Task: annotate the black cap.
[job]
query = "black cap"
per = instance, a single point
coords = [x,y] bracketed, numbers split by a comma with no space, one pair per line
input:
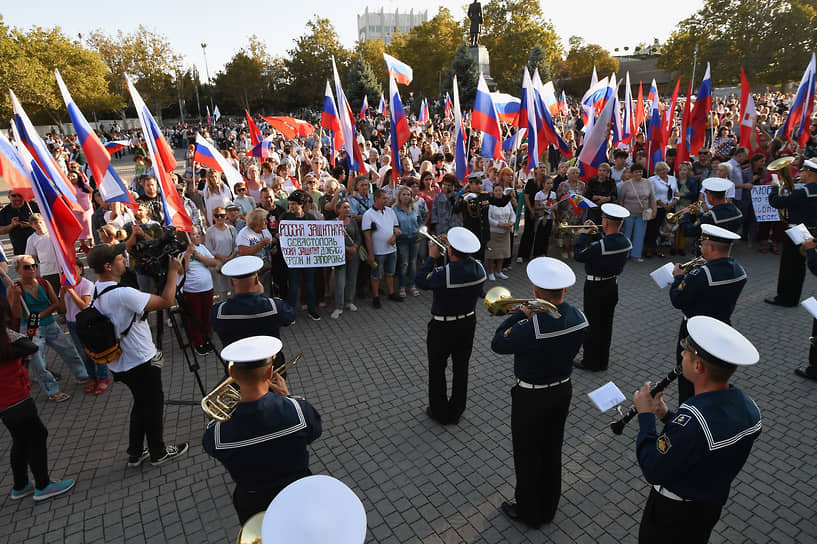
[101,254]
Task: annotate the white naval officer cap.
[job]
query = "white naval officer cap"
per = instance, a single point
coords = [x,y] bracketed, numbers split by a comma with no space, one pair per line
[463,240]
[242,267]
[716,185]
[718,343]
[252,352]
[809,165]
[475,177]
[315,510]
[550,273]
[718,234]
[614,211]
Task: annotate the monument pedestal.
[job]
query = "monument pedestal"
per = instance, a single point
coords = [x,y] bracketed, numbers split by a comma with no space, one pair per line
[480,56]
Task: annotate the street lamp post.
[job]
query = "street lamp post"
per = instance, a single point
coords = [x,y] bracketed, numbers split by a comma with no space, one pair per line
[207,71]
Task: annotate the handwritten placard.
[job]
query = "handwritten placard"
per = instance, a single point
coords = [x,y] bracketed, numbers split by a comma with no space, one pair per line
[760,202]
[312,244]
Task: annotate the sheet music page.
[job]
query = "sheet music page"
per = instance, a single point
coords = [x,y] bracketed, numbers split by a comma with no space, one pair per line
[607,396]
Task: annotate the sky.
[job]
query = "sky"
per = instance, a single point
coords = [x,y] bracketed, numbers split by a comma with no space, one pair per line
[188,24]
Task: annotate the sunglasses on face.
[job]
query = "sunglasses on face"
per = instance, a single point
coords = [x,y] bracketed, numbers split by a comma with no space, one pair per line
[15,196]
[32,266]
[220,215]
[240,189]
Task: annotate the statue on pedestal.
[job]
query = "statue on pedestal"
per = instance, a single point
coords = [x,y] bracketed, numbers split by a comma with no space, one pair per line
[475,15]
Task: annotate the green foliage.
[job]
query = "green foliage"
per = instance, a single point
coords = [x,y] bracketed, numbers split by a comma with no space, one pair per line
[465,67]
[511,28]
[372,51]
[250,80]
[771,39]
[27,62]
[362,81]
[309,64]
[581,59]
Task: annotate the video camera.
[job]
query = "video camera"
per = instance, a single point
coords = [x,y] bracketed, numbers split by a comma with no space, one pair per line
[151,256]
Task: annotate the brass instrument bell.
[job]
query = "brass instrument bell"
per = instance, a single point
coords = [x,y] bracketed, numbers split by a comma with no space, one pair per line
[498,301]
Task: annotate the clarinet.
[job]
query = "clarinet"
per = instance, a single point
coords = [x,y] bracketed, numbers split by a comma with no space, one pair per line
[618,425]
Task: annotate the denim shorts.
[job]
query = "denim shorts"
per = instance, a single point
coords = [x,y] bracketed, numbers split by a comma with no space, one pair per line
[385,265]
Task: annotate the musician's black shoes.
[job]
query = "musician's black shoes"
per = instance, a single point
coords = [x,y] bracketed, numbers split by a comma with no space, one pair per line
[805,374]
[510,510]
[774,302]
[580,365]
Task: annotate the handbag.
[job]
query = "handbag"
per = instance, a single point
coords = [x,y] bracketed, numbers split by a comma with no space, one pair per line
[646,214]
[362,253]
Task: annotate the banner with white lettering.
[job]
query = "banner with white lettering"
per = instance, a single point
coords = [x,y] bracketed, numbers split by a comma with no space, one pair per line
[760,202]
[312,244]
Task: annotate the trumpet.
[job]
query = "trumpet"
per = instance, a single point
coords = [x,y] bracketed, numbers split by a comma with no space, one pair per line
[694,209]
[437,240]
[498,301]
[697,262]
[563,226]
[220,403]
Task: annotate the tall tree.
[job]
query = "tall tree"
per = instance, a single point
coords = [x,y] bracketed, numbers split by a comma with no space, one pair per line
[27,62]
[309,64]
[771,39]
[372,51]
[465,68]
[246,79]
[513,27]
[578,65]
[362,81]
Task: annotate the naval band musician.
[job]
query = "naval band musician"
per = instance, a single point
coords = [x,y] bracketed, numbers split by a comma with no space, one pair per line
[604,260]
[722,213]
[263,444]
[810,371]
[703,445]
[457,287]
[712,289]
[543,347]
[802,208]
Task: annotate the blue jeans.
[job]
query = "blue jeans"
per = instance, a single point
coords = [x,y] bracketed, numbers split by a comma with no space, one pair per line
[294,275]
[95,371]
[634,229]
[53,336]
[346,282]
[407,260]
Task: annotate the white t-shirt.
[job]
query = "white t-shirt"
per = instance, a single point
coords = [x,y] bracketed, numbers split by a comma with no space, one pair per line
[198,278]
[541,197]
[248,237]
[41,249]
[121,219]
[120,305]
[84,288]
[385,220]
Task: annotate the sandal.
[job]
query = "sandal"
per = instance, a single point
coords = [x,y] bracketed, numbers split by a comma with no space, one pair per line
[83,381]
[91,387]
[102,386]
[59,397]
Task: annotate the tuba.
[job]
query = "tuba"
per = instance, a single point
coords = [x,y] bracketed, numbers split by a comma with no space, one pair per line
[781,166]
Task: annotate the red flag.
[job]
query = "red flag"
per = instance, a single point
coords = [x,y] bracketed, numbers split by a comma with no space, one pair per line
[639,107]
[683,145]
[748,114]
[289,130]
[255,134]
[670,113]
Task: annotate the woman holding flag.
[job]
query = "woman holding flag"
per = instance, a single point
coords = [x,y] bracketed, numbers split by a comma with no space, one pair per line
[569,211]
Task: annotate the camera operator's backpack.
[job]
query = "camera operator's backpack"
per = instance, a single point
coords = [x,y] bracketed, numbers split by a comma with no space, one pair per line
[97,332]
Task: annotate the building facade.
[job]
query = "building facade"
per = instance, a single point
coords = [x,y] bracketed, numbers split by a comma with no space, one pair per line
[381,24]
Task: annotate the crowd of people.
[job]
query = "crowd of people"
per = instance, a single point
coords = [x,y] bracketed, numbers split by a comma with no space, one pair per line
[481,228]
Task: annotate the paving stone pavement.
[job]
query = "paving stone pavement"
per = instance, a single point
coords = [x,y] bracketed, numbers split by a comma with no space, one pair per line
[421,482]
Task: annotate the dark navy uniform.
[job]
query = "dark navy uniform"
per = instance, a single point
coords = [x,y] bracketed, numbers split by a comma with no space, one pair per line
[725,215]
[457,286]
[811,370]
[712,290]
[263,446]
[543,349]
[802,208]
[250,314]
[475,218]
[693,462]
[603,261]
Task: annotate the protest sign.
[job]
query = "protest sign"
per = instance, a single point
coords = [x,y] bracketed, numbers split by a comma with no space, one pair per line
[760,202]
[312,244]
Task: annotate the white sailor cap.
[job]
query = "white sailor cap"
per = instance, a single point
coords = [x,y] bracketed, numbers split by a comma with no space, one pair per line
[252,352]
[315,510]
[718,234]
[242,267]
[717,185]
[463,240]
[809,165]
[718,343]
[549,273]
[469,196]
[475,177]
[614,210]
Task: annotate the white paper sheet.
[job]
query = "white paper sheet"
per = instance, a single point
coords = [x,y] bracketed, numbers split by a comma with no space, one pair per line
[663,276]
[607,396]
[798,234]
[810,304]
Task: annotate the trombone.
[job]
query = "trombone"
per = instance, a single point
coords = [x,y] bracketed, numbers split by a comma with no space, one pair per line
[694,209]
[220,403]
[498,301]
[437,240]
[564,226]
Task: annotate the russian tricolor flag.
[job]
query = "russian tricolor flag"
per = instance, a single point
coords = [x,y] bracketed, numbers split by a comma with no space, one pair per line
[448,112]
[60,222]
[563,103]
[797,125]
[364,107]
[460,153]
[110,185]
[507,107]
[577,202]
[116,145]
[347,125]
[655,139]
[164,162]
[547,128]
[400,131]
[529,121]
[262,149]
[628,126]
[594,151]
[423,118]
[696,131]
[381,106]
[548,92]
[400,71]
[486,119]
[209,156]
[13,170]
[594,101]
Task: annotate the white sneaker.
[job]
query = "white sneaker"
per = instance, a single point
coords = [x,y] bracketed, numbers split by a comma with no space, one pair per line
[519,260]
[336,313]
[352,307]
[502,276]
[491,277]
